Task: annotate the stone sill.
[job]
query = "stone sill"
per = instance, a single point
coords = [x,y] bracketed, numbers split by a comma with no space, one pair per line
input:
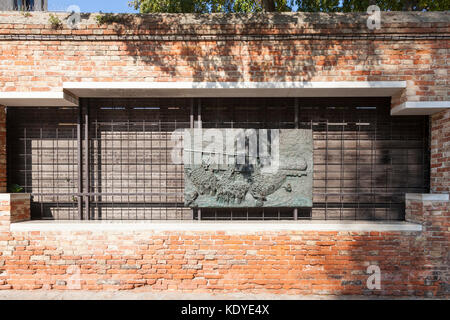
[207,226]
[438,197]
[14,196]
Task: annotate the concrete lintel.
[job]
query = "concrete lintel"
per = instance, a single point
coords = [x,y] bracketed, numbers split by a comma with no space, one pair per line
[38,99]
[229,227]
[420,108]
[427,196]
[235,89]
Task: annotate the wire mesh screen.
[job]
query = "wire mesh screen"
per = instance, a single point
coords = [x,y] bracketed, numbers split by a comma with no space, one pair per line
[42,159]
[365,160]
[132,172]
[112,159]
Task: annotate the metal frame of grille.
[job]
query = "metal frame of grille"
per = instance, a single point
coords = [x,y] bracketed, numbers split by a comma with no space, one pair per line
[110,158]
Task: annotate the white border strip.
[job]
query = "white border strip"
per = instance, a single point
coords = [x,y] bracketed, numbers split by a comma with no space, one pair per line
[237,85]
[420,108]
[427,196]
[229,227]
[38,99]
[235,89]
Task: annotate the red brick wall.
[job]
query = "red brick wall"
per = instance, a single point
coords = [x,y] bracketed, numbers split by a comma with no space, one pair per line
[322,263]
[290,262]
[215,48]
[329,263]
[14,207]
[440,152]
[434,261]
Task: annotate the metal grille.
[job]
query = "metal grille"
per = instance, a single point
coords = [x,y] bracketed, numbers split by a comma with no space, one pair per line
[43,159]
[132,175]
[111,159]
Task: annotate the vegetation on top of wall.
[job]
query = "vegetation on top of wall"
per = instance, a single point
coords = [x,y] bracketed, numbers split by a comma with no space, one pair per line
[55,21]
[248,6]
[109,18]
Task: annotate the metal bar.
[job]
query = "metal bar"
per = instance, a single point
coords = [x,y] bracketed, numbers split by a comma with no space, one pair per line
[136,163]
[55,155]
[341,173]
[151,166]
[85,106]
[199,114]
[25,159]
[128,159]
[358,143]
[121,170]
[79,163]
[199,119]
[191,115]
[191,126]
[326,170]
[159,167]
[112,163]
[99,166]
[296,122]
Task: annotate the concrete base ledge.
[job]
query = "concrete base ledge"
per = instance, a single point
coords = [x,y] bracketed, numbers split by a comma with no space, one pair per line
[228,226]
[145,294]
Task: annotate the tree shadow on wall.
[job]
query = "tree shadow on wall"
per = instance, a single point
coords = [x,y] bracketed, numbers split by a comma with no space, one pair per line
[221,48]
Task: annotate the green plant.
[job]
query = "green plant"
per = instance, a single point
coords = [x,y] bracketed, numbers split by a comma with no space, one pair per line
[26,14]
[15,188]
[108,18]
[55,21]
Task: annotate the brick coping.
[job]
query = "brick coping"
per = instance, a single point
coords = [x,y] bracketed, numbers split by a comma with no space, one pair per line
[212,226]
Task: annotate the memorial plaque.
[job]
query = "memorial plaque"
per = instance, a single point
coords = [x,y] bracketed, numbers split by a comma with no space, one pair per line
[238,168]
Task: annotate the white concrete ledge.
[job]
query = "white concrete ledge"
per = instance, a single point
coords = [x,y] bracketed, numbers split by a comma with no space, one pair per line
[14,196]
[427,196]
[234,89]
[228,226]
[420,108]
[38,99]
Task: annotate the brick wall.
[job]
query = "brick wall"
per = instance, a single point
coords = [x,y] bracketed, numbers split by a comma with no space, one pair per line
[274,47]
[440,152]
[219,48]
[434,242]
[14,207]
[412,263]
[322,263]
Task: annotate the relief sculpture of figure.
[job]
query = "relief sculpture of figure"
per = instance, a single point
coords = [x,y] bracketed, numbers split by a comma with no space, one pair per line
[264,184]
[231,190]
[203,179]
[231,187]
[283,179]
